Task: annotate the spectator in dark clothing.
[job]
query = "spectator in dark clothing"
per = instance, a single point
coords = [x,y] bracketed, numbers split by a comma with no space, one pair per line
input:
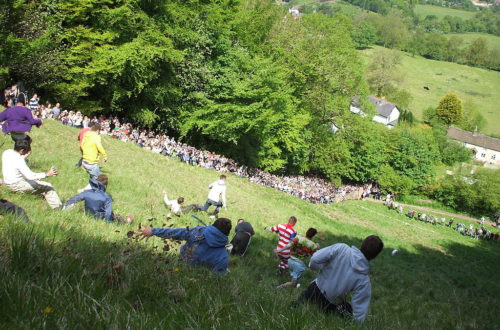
[7,207]
[242,236]
[17,121]
[97,201]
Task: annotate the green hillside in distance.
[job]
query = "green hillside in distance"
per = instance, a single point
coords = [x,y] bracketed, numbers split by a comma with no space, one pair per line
[477,85]
[68,270]
[493,41]
[440,12]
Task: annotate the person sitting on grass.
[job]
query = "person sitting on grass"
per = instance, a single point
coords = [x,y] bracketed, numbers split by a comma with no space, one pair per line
[242,237]
[98,202]
[342,270]
[19,178]
[205,245]
[176,207]
[301,249]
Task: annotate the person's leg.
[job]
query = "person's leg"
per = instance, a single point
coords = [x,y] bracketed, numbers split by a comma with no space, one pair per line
[7,207]
[296,269]
[218,207]
[17,136]
[284,259]
[313,294]
[206,206]
[92,169]
[48,192]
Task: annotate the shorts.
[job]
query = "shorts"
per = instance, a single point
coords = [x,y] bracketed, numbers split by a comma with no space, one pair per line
[296,268]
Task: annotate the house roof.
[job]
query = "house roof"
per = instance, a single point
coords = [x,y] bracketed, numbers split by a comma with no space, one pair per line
[476,139]
[384,108]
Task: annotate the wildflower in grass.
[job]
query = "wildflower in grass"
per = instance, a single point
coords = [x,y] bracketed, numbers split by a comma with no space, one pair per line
[48,310]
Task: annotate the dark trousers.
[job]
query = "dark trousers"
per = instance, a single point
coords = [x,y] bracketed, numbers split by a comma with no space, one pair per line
[17,136]
[313,294]
[7,207]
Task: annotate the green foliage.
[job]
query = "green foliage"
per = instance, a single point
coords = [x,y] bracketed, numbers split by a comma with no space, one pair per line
[383,72]
[390,181]
[473,119]
[476,193]
[449,109]
[363,34]
[413,154]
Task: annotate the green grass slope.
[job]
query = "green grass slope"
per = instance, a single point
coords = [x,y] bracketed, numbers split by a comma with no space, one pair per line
[478,85]
[440,12]
[493,41]
[67,270]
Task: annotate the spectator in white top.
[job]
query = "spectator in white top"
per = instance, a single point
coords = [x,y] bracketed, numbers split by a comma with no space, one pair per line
[19,178]
[216,195]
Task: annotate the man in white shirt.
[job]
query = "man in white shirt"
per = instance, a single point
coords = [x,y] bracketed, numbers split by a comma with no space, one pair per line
[18,177]
[216,195]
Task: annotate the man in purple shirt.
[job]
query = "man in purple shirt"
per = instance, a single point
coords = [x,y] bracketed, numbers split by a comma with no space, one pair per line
[17,121]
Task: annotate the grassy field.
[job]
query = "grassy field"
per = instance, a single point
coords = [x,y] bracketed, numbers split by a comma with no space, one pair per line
[477,85]
[67,270]
[440,12]
[492,40]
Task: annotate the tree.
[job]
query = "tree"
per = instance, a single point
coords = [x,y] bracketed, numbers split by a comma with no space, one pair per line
[383,72]
[478,52]
[473,120]
[363,34]
[449,109]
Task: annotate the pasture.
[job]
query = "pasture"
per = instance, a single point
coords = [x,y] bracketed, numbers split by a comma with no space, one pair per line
[440,12]
[478,85]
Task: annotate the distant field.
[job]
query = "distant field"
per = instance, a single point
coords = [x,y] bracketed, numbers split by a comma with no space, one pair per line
[493,41]
[478,85]
[440,12]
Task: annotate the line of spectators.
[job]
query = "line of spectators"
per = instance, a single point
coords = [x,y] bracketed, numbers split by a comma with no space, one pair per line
[311,188]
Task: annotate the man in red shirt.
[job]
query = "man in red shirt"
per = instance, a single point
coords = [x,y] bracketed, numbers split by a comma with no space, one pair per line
[286,233]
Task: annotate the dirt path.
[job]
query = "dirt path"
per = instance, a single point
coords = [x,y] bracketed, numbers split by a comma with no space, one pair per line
[428,209]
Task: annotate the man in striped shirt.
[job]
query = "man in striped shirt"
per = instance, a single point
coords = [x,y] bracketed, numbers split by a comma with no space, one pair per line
[286,233]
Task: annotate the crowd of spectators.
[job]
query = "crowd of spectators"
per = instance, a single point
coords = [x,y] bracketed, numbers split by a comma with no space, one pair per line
[311,188]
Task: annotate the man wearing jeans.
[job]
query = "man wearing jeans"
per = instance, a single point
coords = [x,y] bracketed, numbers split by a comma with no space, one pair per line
[301,249]
[216,195]
[19,178]
[91,149]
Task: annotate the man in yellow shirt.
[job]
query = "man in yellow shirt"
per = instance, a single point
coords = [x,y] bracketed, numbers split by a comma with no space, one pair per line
[91,149]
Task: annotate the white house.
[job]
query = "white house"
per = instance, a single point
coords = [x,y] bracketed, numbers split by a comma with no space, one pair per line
[387,112]
[485,149]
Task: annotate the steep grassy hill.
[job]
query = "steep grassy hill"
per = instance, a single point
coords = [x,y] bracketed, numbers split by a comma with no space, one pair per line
[475,84]
[440,12]
[67,270]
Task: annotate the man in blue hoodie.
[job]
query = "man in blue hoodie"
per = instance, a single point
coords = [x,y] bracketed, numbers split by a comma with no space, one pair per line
[205,245]
[343,269]
[97,201]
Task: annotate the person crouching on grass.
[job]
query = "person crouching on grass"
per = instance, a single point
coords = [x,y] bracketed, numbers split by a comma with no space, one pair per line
[342,270]
[176,206]
[205,245]
[301,249]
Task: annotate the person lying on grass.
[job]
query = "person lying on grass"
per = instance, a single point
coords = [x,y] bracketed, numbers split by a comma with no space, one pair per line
[205,245]
[176,207]
[301,248]
[342,270]
[97,201]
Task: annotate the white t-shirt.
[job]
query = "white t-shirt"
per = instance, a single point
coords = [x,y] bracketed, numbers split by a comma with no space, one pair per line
[14,168]
[217,189]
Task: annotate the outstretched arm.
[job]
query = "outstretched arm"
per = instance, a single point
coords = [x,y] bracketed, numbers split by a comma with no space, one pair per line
[74,199]
[181,234]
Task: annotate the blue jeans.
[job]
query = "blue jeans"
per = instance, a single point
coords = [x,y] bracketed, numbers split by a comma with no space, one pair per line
[296,268]
[92,169]
[209,203]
